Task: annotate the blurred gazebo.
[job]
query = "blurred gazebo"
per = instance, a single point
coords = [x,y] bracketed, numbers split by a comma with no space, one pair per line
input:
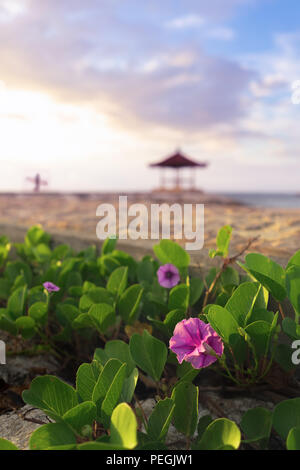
[178,162]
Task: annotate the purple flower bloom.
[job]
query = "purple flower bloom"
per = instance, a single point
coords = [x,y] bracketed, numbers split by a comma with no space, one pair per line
[50,287]
[168,275]
[196,342]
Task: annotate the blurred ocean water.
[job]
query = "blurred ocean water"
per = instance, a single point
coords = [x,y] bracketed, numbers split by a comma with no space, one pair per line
[288,201]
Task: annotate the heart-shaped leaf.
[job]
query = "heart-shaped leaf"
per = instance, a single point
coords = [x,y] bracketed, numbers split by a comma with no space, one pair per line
[51,395]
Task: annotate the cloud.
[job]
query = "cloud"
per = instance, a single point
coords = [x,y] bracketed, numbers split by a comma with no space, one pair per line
[187,21]
[124,63]
[221,33]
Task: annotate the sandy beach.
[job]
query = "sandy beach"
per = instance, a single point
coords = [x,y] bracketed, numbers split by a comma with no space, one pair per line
[278,229]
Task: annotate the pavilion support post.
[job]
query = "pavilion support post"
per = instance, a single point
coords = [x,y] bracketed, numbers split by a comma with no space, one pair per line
[162,179]
[177,179]
[192,179]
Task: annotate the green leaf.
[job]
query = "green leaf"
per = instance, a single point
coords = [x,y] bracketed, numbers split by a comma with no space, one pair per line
[104,381]
[16,302]
[172,318]
[230,277]
[117,281]
[6,323]
[260,314]
[103,316]
[286,416]
[291,328]
[226,326]
[84,320]
[95,295]
[256,424]
[7,445]
[117,349]
[294,260]
[168,251]
[149,353]
[107,264]
[26,326]
[5,286]
[100,317]
[185,417]
[51,435]
[36,235]
[283,357]
[270,274]
[223,240]
[66,314]
[108,388]
[179,297]
[39,312]
[81,415]
[123,427]
[129,386]
[202,425]
[86,379]
[293,287]
[293,439]
[196,289]
[16,268]
[145,271]
[42,253]
[112,396]
[108,245]
[129,302]
[241,302]
[51,395]
[221,434]
[160,419]
[260,334]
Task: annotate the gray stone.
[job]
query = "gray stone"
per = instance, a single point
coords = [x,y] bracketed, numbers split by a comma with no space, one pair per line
[16,426]
[17,369]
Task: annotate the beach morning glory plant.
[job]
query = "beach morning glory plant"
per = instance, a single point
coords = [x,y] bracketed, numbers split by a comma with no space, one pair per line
[168,276]
[196,342]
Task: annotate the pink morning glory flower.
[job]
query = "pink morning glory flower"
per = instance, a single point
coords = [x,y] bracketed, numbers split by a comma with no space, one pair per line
[168,276]
[196,342]
[50,287]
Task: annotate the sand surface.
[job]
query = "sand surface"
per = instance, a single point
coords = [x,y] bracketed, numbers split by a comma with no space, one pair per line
[278,229]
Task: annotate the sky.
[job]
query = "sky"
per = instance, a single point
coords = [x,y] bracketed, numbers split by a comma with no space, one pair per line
[93,91]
